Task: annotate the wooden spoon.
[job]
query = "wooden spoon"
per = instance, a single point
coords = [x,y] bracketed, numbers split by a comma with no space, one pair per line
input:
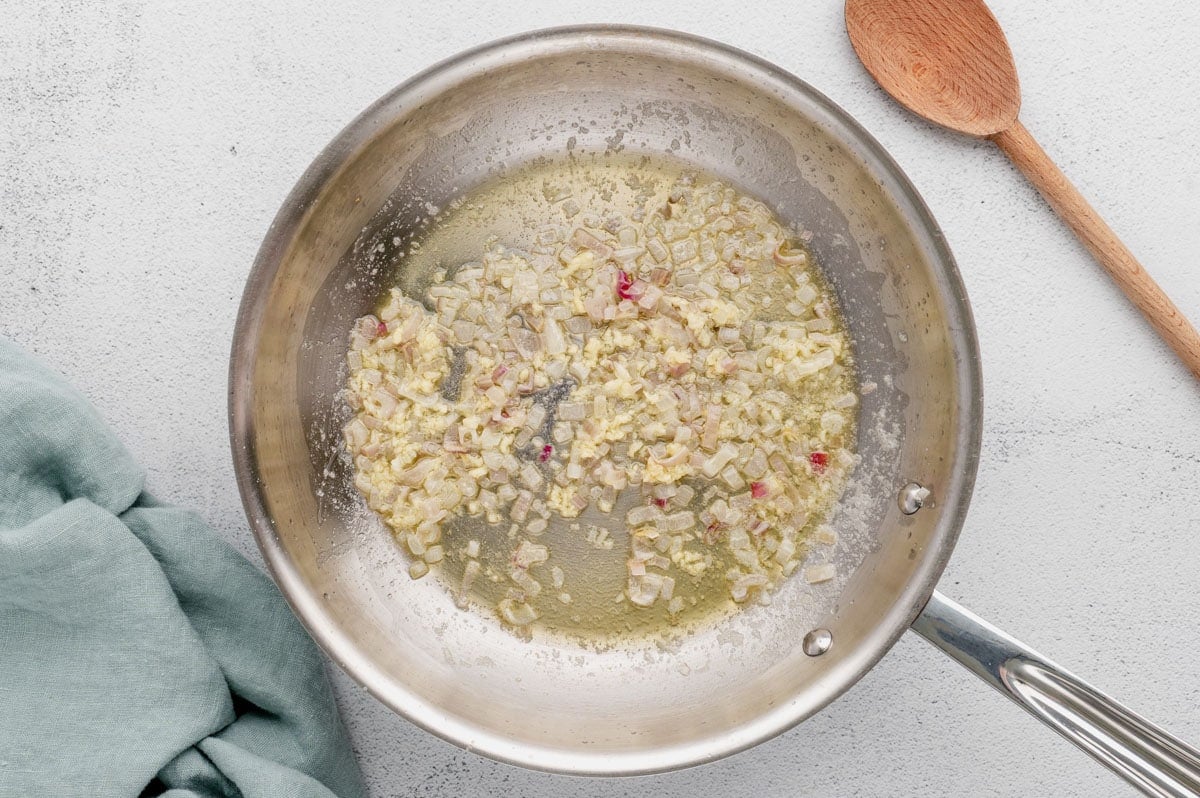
[948,61]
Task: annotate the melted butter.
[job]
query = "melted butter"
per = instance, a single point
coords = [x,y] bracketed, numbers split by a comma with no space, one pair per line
[512,210]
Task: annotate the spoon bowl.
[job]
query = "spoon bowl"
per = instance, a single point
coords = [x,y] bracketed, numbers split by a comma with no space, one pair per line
[949,64]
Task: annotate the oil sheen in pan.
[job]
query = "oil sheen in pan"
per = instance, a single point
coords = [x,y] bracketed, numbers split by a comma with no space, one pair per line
[510,209]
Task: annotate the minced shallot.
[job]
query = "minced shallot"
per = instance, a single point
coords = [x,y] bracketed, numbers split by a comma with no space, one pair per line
[692,361]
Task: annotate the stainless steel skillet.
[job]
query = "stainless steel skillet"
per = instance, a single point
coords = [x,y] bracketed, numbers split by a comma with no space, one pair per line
[636,707]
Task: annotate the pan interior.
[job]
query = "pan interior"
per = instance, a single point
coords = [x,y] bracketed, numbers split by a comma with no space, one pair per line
[543,100]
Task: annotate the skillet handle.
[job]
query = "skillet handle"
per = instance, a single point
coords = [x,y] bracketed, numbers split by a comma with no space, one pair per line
[1147,757]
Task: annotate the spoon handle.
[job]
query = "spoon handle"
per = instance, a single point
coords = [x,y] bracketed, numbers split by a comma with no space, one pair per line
[1102,242]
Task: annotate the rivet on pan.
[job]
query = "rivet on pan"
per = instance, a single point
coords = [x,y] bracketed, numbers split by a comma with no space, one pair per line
[817,642]
[912,498]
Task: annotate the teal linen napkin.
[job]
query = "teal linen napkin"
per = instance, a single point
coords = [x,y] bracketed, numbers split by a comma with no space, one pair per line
[139,654]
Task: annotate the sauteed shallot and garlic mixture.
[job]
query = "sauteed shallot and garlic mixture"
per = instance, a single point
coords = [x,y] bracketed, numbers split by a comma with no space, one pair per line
[681,372]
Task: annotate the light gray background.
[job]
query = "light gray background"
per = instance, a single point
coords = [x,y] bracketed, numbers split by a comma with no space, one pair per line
[146,146]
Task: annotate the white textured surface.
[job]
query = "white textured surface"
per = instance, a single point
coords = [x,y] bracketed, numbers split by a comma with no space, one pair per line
[146,146]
